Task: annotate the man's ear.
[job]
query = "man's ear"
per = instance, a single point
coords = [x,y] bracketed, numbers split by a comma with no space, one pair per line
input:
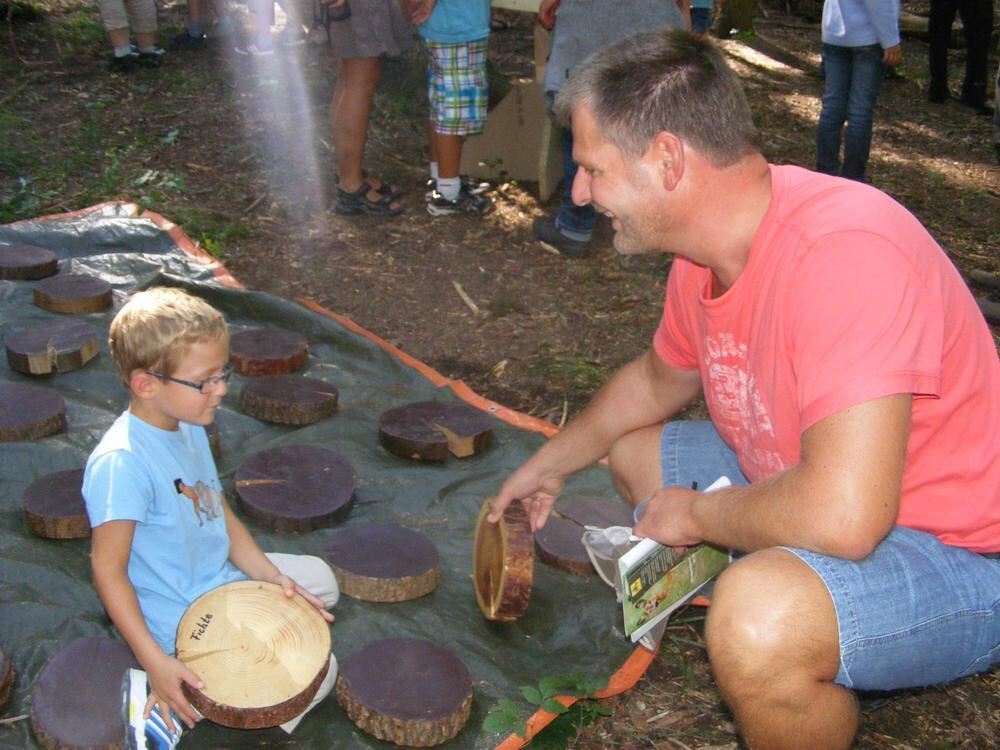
[668,152]
[142,384]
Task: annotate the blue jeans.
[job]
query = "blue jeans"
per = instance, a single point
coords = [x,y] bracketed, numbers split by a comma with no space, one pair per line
[701,18]
[576,222]
[854,78]
[914,612]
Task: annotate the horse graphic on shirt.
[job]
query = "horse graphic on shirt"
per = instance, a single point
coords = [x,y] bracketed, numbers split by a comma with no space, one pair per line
[192,495]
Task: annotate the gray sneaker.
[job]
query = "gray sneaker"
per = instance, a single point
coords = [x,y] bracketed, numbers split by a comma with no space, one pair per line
[546,232]
[465,203]
[469,184]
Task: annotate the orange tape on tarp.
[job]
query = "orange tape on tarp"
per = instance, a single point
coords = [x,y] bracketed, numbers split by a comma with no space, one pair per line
[638,662]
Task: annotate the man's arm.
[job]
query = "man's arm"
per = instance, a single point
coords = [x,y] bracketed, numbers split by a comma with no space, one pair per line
[841,499]
[246,554]
[111,547]
[644,392]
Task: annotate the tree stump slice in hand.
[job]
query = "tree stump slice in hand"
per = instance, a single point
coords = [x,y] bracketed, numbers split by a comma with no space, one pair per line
[7,677]
[295,488]
[26,262]
[405,690]
[29,412]
[262,655]
[267,351]
[56,346]
[383,562]
[433,430]
[503,563]
[76,702]
[559,542]
[54,507]
[288,399]
[73,293]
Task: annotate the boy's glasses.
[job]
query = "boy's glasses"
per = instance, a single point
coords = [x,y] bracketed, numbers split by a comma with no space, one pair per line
[206,384]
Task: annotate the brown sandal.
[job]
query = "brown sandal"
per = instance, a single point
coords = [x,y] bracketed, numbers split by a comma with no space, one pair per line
[357,202]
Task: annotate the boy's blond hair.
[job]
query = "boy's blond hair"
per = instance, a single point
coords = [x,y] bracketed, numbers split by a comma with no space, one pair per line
[156,328]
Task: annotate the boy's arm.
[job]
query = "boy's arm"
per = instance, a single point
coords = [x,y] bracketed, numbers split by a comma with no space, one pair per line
[111,547]
[246,554]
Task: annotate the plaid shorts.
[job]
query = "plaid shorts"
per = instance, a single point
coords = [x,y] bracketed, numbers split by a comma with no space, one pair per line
[457,86]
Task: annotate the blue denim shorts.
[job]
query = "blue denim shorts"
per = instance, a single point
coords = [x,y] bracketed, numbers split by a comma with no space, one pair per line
[915,612]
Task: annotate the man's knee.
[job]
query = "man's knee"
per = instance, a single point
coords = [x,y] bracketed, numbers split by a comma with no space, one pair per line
[634,460]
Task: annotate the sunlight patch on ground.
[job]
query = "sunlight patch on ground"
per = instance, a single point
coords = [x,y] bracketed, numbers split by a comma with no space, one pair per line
[757,59]
[968,174]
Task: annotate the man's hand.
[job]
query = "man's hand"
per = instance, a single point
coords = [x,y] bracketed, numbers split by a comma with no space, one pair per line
[418,11]
[547,14]
[892,56]
[668,517]
[165,678]
[291,588]
[537,493]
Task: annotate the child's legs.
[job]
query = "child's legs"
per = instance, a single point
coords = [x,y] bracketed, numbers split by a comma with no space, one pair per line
[115,20]
[867,74]
[837,65]
[311,573]
[325,688]
[357,79]
[142,18]
[457,90]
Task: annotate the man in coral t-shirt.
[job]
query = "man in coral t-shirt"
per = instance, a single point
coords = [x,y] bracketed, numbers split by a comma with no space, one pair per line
[854,393]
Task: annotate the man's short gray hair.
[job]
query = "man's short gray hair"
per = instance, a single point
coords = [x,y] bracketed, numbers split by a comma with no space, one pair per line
[658,81]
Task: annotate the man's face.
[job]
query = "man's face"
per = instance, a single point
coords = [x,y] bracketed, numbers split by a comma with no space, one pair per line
[621,190]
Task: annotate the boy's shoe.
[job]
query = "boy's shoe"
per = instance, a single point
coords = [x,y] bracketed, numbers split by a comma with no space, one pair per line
[124,63]
[151,58]
[469,184]
[185,42]
[465,203]
[546,232]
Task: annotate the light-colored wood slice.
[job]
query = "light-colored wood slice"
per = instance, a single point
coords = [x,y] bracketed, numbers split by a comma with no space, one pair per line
[383,562]
[503,563]
[267,351]
[433,430]
[262,655]
[288,399]
[295,488]
[559,543]
[408,691]
[26,262]
[73,293]
[7,677]
[76,701]
[29,412]
[54,346]
[54,507]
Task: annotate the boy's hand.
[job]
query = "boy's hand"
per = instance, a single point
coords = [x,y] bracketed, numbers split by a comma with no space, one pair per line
[291,588]
[165,678]
[418,11]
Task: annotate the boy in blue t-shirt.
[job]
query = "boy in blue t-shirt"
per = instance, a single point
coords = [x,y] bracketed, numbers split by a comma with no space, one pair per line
[163,533]
[456,34]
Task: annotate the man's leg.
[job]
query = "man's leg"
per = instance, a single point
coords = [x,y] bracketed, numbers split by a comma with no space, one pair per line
[773,642]
[977,25]
[942,16]
[837,65]
[867,74]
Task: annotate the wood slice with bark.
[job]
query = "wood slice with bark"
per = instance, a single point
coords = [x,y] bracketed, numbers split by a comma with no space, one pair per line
[261,655]
[73,293]
[295,488]
[267,351]
[407,691]
[26,262]
[29,412]
[559,542]
[76,701]
[54,346]
[288,399]
[383,562]
[433,430]
[7,677]
[54,507]
[503,563]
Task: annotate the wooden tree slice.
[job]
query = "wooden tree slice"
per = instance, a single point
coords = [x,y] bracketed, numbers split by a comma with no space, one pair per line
[503,563]
[55,346]
[261,654]
[295,488]
[73,293]
[431,430]
[559,543]
[7,677]
[54,507]
[28,412]
[405,690]
[76,702]
[267,351]
[25,262]
[288,399]
[406,564]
